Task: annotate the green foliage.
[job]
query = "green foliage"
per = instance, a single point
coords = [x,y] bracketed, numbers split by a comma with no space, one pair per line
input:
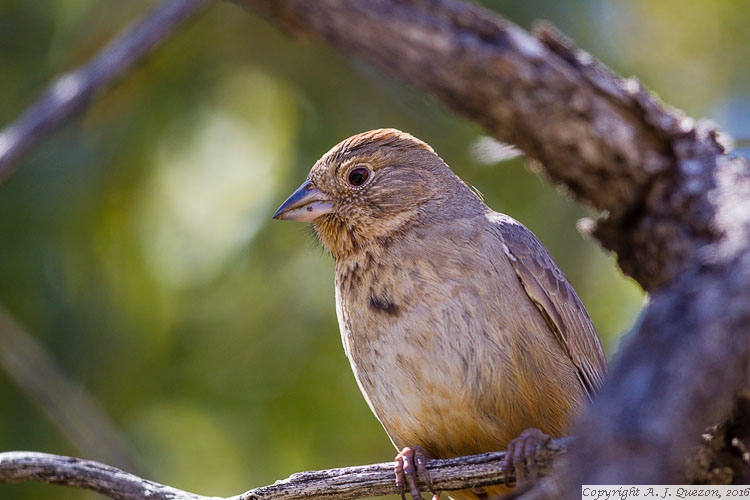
[137,243]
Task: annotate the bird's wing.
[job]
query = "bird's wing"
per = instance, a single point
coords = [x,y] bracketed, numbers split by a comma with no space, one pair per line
[558,302]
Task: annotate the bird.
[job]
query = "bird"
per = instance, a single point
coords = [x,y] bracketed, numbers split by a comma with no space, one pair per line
[463,334]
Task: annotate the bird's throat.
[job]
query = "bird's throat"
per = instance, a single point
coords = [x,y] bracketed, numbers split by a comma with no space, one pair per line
[345,239]
[339,237]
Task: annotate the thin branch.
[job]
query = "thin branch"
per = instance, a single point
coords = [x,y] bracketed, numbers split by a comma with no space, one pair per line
[334,484]
[20,466]
[72,91]
[27,363]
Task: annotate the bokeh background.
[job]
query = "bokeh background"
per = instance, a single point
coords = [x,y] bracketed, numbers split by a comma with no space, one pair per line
[137,248]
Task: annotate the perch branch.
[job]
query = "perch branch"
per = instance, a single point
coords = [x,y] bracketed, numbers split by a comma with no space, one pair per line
[72,91]
[334,484]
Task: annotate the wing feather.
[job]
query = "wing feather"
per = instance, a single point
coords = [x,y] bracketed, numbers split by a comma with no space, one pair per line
[557,301]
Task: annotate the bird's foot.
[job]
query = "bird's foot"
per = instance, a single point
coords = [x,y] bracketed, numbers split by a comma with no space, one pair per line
[411,465]
[520,455]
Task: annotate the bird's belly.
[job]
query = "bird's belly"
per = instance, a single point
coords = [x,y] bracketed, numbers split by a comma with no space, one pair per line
[411,404]
[431,390]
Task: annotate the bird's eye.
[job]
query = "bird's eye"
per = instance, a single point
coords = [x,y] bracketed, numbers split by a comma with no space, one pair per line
[358,175]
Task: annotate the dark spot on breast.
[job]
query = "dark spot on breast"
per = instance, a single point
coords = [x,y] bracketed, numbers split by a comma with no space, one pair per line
[385,241]
[384,304]
[369,260]
[351,278]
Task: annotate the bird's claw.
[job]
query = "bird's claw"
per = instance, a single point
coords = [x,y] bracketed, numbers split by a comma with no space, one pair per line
[520,455]
[411,465]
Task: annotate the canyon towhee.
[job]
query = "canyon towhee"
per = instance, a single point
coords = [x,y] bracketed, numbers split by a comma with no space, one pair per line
[460,328]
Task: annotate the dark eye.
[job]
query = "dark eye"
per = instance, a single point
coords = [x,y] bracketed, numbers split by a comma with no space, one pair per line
[358,175]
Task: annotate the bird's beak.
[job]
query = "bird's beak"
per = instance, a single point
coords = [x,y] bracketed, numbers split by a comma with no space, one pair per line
[306,204]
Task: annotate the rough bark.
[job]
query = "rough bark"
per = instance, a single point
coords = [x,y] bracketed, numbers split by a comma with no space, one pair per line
[18,466]
[333,484]
[607,140]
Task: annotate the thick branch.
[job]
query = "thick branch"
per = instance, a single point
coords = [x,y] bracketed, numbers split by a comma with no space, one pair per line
[71,92]
[335,484]
[606,139]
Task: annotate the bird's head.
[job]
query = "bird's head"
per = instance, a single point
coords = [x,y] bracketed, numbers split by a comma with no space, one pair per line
[374,185]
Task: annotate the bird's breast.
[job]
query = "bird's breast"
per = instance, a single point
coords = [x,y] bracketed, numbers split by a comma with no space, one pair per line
[446,347]
[424,335]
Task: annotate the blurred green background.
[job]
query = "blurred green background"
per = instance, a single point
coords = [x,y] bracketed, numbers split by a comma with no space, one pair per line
[136,245]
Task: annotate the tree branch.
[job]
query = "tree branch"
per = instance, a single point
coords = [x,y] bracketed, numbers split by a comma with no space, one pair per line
[72,91]
[19,466]
[606,139]
[334,484]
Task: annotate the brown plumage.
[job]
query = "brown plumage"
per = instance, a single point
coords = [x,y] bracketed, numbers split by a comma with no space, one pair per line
[460,328]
